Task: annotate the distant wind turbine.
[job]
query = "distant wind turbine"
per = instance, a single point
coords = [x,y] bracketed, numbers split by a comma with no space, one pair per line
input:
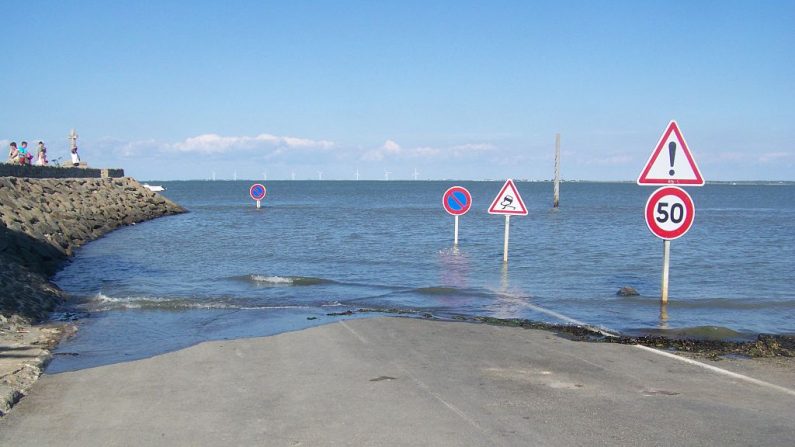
[320,175]
[386,175]
[357,174]
[292,175]
[416,174]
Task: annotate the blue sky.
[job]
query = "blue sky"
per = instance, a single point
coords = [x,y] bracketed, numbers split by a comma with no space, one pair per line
[466,90]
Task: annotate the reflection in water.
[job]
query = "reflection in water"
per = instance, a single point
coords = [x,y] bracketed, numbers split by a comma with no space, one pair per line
[504,280]
[454,272]
[510,302]
[663,315]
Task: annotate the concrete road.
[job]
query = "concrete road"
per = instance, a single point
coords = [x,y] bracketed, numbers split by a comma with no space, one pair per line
[396,381]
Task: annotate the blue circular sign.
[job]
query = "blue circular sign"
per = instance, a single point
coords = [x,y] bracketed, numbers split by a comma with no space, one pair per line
[257,191]
[457,200]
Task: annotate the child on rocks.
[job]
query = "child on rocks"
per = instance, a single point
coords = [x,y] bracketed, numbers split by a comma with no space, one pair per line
[24,156]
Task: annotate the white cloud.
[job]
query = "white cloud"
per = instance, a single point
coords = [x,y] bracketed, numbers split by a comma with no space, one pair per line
[391,149]
[265,145]
[133,148]
[217,144]
[774,156]
[609,159]
[731,156]
[469,149]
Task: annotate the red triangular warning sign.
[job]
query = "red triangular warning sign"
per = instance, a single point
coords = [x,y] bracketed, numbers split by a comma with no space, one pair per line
[508,201]
[671,162]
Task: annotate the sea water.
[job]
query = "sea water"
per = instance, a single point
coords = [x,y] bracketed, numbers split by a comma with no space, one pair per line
[227,269]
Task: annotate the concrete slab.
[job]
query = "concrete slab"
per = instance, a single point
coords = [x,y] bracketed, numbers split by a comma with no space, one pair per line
[395,381]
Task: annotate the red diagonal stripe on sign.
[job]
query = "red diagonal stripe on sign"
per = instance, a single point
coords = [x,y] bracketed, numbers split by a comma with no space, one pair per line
[452,196]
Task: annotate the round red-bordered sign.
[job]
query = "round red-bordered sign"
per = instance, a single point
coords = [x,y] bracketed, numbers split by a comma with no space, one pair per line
[669,212]
[257,191]
[457,200]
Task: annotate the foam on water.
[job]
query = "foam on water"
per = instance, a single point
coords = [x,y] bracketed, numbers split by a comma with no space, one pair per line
[103,303]
[274,280]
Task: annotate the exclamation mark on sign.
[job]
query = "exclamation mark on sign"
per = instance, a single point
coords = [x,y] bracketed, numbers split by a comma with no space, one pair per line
[671,156]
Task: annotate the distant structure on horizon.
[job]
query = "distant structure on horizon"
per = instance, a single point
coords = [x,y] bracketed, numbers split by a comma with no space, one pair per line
[72,140]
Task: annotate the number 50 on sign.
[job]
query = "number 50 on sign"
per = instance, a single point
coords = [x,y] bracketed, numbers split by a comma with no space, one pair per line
[669,212]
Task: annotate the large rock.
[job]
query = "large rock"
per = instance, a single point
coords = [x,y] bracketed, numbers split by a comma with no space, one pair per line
[42,222]
[627,291]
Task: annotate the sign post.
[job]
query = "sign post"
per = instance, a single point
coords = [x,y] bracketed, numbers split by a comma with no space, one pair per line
[257,192]
[669,215]
[456,201]
[508,202]
[670,210]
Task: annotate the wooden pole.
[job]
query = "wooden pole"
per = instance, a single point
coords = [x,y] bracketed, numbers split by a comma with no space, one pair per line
[455,237]
[666,264]
[507,232]
[556,195]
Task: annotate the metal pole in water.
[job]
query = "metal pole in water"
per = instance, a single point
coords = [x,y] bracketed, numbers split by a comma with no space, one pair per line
[507,232]
[455,237]
[666,264]
[556,195]
[258,204]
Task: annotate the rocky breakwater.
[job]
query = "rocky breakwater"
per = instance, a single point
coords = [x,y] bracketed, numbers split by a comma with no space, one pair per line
[42,222]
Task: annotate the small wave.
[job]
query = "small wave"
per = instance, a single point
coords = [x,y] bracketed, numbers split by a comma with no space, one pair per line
[101,302]
[273,280]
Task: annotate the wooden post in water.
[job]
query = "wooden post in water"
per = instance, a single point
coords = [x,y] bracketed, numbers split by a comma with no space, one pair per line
[666,264]
[556,198]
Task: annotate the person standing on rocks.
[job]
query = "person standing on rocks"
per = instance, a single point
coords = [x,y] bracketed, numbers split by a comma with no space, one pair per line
[24,156]
[75,157]
[13,152]
[41,155]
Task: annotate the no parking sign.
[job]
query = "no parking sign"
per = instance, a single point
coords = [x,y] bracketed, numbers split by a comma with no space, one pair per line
[457,201]
[257,192]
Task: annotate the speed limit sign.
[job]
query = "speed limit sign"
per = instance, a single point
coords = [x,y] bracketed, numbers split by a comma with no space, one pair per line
[669,212]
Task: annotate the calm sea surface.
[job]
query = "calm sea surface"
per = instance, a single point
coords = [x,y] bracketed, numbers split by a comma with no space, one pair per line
[227,270]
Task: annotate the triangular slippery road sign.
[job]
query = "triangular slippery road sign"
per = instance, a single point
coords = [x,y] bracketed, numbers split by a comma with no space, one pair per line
[671,162]
[508,201]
